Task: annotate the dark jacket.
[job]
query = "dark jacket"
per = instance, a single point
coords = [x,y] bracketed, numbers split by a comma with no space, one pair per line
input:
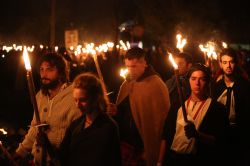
[241,91]
[96,145]
[215,123]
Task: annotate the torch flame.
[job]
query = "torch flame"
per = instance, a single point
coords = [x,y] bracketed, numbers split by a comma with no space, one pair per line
[202,48]
[214,55]
[180,42]
[209,50]
[172,61]
[124,73]
[224,45]
[26,59]
[3,131]
[123,45]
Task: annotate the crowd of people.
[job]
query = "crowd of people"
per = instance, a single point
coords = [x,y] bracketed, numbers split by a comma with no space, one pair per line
[147,121]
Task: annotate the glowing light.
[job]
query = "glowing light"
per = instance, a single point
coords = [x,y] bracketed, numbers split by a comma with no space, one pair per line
[203,49]
[56,48]
[26,59]
[172,61]
[180,42]
[30,49]
[214,55]
[123,45]
[7,48]
[128,44]
[3,131]
[209,50]
[224,45]
[124,73]
[140,45]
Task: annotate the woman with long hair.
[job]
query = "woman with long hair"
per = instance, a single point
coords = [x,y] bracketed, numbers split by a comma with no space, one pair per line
[93,138]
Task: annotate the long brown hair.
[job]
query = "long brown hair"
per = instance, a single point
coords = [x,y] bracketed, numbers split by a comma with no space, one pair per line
[94,90]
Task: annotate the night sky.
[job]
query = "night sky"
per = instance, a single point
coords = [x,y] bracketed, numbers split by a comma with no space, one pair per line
[27,21]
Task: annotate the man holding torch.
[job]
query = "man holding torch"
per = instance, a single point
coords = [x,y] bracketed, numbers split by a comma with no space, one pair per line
[184,62]
[55,105]
[199,136]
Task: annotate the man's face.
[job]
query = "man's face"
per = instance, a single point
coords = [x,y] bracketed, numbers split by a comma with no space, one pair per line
[49,76]
[136,67]
[183,66]
[227,64]
[197,83]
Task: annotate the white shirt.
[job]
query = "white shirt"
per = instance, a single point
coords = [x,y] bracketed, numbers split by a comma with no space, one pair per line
[196,111]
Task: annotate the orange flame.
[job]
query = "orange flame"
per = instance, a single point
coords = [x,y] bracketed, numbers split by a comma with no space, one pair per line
[124,73]
[172,61]
[3,131]
[26,59]
[180,42]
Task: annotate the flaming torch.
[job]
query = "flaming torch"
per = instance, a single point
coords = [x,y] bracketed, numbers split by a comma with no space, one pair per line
[99,72]
[33,100]
[224,45]
[180,42]
[3,131]
[90,49]
[31,84]
[176,72]
[124,73]
[204,50]
[209,53]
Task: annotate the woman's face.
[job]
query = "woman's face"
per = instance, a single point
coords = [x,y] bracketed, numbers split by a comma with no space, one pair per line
[81,100]
[198,83]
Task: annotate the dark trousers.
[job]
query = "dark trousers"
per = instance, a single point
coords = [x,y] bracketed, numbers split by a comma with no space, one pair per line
[176,159]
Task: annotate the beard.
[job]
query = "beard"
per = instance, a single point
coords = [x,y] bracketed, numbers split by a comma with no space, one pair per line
[52,84]
[229,74]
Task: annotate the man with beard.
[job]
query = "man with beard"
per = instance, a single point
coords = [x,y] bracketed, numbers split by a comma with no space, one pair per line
[233,91]
[55,105]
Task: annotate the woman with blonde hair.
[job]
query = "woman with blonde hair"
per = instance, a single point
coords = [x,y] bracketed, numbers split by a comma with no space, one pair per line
[93,138]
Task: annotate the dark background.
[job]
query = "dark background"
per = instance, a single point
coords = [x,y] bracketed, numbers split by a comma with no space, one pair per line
[28,22]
